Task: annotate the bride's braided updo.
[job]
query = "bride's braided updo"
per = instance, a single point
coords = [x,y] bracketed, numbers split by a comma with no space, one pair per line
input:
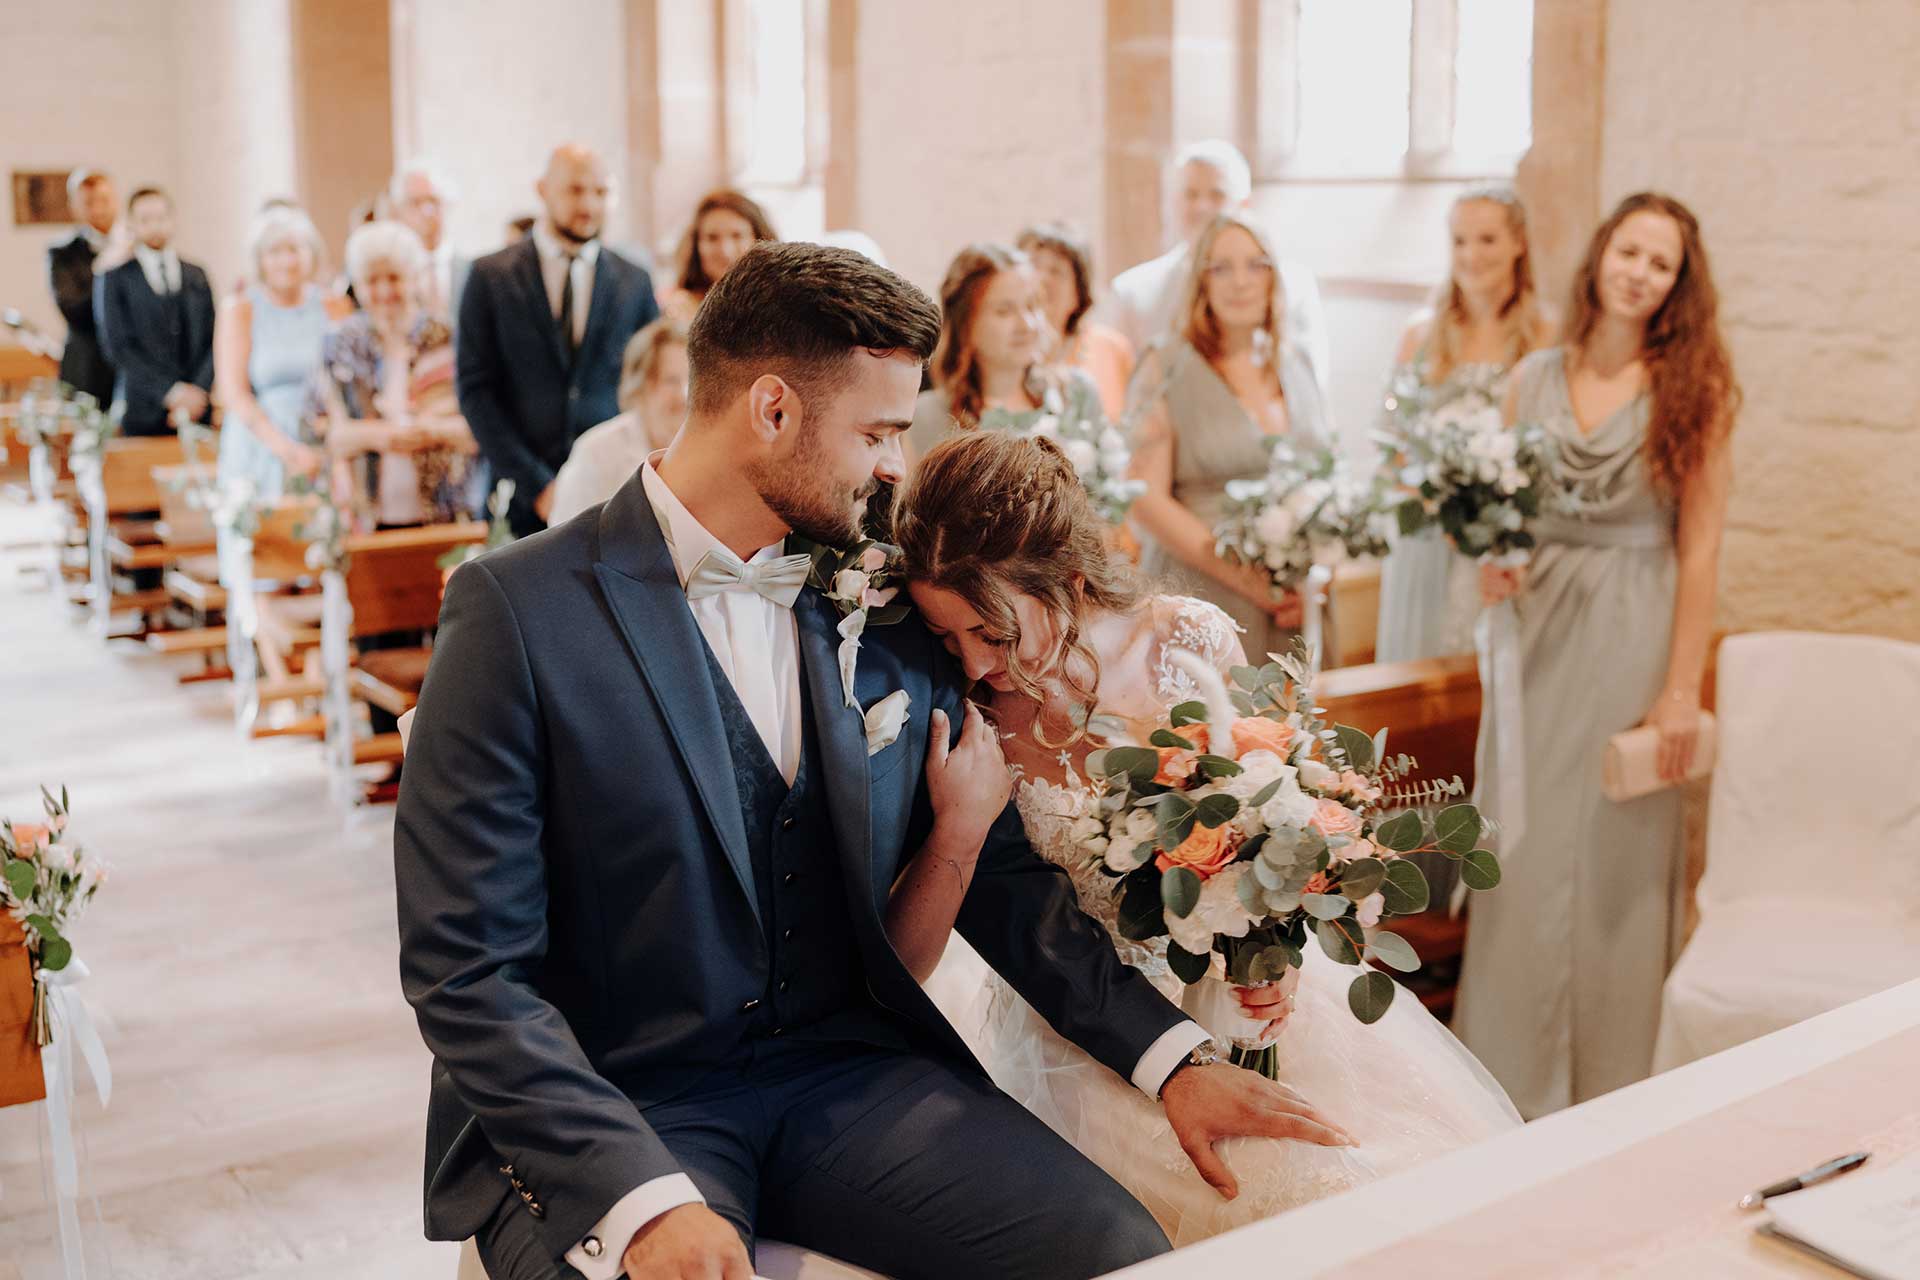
[988,516]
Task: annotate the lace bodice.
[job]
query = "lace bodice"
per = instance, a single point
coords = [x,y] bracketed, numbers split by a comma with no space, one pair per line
[1049,808]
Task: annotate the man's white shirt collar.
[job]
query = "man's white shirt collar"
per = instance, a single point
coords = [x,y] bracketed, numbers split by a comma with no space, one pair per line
[687,539]
[552,248]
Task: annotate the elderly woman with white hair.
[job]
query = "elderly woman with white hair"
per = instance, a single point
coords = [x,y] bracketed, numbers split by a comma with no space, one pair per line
[266,341]
[383,400]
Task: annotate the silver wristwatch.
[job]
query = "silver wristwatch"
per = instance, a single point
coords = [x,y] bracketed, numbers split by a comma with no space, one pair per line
[1204,1054]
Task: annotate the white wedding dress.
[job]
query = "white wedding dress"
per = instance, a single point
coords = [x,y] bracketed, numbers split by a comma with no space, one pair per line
[1403,1087]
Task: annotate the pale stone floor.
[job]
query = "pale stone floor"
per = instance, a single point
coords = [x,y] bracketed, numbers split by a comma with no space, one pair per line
[268,1083]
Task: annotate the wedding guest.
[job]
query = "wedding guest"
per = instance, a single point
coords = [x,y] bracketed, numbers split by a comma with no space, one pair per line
[542,326]
[1205,180]
[419,197]
[1209,398]
[990,371]
[725,225]
[266,343]
[1560,985]
[382,400]
[100,241]
[1455,356]
[1065,266]
[155,317]
[653,403]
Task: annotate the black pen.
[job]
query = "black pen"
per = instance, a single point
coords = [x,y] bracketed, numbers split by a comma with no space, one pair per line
[1812,1177]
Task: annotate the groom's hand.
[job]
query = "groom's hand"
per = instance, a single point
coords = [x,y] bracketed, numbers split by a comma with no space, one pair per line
[691,1242]
[1208,1104]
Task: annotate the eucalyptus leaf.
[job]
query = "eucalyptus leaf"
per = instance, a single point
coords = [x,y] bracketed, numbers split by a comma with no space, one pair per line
[1096,764]
[1188,713]
[1265,794]
[1392,950]
[1186,966]
[1361,877]
[1180,891]
[1266,875]
[1283,901]
[1273,673]
[1340,939]
[1400,833]
[1165,738]
[1139,764]
[1357,746]
[1251,890]
[1216,810]
[1243,703]
[1457,828]
[55,954]
[1380,744]
[1217,766]
[1141,916]
[1412,516]
[1270,964]
[1405,889]
[1480,870]
[1370,996]
[19,877]
[1324,906]
[1247,678]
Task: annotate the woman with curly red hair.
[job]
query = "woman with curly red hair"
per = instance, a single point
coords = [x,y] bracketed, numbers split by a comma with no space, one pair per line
[1560,990]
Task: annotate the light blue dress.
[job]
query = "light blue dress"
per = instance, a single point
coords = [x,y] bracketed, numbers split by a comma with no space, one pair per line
[285,352]
[1430,593]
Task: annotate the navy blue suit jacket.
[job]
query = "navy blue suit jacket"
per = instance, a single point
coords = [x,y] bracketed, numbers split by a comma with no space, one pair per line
[524,403]
[578,927]
[134,336]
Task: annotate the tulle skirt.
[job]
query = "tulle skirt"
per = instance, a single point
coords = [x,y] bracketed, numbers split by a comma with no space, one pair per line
[1403,1087]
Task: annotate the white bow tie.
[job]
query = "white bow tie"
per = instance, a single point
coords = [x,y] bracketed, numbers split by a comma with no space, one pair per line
[777,580]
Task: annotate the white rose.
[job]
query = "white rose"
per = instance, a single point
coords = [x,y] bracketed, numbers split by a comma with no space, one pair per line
[1258,768]
[1219,912]
[1314,774]
[1048,426]
[1087,828]
[1120,855]
[1275,525]
[850,584]
[1369,908]
[1081,454]
[1290,809]
[1140,825]
[1096,846]
[57,857]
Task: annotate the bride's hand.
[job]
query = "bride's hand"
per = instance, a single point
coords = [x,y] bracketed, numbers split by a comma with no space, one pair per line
[967,783]
[1272,1004]
[1499,584]
[1206,1105]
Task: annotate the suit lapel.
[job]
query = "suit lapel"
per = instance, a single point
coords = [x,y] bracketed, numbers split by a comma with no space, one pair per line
[843,739]
[600,302]
[636,573]
[533,285]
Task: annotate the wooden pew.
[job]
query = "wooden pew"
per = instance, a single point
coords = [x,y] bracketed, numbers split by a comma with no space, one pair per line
[1353,602]
[391,584]
[273,626]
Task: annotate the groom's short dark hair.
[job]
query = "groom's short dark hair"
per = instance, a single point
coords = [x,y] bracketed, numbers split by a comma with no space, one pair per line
[800,311]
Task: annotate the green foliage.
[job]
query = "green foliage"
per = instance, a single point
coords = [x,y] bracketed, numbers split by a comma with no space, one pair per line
[1393,950]
[1370,996]
[1480,870]
[1186,966]
[1180,891]
[1457,829]
[1400,833]
[1341,939]
[1361,877]
[1405,889]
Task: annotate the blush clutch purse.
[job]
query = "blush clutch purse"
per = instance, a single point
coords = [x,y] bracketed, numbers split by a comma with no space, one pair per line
[1632,765]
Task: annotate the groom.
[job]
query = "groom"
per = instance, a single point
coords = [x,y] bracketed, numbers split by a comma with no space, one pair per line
[643,850]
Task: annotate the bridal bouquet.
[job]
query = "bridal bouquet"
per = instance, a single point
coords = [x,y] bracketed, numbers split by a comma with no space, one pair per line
[1099,454]
[1305,510]
[45,883]
[1248,825]
[1461,467]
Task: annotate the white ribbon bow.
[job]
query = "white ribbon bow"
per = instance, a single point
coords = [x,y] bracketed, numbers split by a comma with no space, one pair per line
[72,1026]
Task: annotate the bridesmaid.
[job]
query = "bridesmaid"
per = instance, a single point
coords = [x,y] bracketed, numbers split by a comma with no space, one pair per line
[1485,317]
[265,343]
[1208,398]
[725,225]
[1065,267]
[1560,987]
[990,370]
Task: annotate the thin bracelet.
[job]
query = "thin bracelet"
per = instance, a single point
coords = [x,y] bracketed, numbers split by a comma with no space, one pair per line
[941,857]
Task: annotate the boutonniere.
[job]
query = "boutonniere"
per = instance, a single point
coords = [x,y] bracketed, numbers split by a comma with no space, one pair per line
[859,583]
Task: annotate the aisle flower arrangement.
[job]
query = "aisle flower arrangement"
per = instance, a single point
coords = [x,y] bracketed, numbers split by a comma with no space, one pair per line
[46,882]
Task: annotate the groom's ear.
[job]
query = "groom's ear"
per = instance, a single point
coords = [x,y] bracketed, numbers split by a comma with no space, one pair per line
[772,407]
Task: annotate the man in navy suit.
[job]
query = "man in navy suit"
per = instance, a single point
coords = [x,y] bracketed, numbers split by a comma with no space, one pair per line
[155,317]
[541,327]
[643,852]
[101,241]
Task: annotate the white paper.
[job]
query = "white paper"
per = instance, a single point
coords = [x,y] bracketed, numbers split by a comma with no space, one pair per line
[1868,1220]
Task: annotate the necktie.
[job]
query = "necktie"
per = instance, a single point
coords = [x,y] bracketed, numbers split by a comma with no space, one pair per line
[566,310]
[777,580]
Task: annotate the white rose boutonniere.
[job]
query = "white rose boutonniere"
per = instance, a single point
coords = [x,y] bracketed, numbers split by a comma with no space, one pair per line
[858,582]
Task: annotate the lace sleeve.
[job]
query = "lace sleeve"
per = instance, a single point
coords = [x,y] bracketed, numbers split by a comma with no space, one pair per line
[1195,627]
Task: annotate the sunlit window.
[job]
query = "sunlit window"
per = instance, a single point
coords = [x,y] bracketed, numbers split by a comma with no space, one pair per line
[1493,77]
[1354,80]
[776,150]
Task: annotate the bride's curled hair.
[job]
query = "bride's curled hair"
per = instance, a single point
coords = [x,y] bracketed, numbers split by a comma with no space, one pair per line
[989,516]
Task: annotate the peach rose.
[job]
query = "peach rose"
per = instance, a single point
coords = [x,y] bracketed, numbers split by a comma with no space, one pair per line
[1320,883]
[1331,818]
[1176,763]
[1358,787]
[1205,852]
[29,836]
[1257,733]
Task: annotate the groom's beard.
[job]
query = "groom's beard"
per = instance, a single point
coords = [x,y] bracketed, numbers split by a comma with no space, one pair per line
[796,492]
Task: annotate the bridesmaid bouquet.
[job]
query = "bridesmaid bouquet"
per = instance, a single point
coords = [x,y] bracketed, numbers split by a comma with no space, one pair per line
[1099,454]
[1305,511]
[1248,824]
[45,883]
[1462,468]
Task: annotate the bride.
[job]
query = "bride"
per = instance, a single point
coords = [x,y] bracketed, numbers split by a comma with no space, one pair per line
[1008,564]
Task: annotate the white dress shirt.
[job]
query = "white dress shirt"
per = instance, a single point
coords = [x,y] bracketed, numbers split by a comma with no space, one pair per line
[553,270]
[1143,299]
[161,267]
[757,644]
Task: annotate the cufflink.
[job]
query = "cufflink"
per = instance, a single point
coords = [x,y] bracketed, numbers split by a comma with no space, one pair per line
[592,1247]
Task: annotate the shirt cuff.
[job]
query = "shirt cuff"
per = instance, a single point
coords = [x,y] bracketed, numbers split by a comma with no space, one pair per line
[598,1255]
[1163,1055]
